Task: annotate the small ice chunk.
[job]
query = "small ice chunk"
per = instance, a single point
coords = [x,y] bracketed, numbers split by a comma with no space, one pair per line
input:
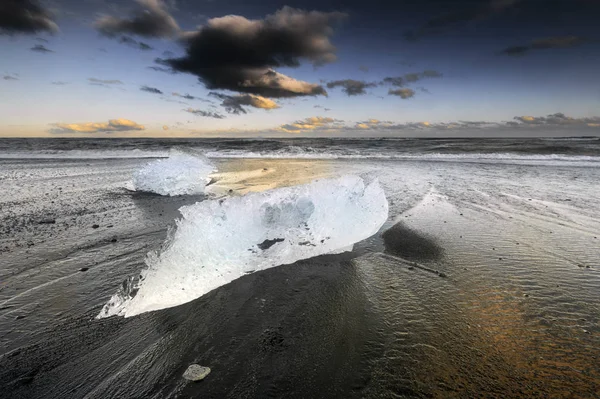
[218,241]
[196,372]
[180,174]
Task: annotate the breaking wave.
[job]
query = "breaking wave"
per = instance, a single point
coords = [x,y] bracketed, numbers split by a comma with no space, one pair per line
[216,242]
[180,174]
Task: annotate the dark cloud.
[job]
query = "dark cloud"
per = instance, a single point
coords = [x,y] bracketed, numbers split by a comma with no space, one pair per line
[238,54]
[25,16]
[134,43]
[60,83]
[400,81]
[351,87]
[207,114]
[235,104]
[471,11]
[363,68]
[96,81]
[402,93]
[152,20]
[161,69]
[10,77]
[41,40]
[544,44]
[149,89]
[40,48]
[186,96]
[323,108]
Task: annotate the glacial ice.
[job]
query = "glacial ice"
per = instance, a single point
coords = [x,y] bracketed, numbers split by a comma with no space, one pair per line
[218,241]
[180,174]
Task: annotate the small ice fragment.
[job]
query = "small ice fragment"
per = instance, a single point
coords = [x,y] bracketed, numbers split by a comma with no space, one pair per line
[180,174]
[196,372]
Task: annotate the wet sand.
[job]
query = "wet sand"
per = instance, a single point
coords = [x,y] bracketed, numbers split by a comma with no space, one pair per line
[483,283]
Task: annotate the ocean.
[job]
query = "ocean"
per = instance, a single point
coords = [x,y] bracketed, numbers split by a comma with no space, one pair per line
[483,280]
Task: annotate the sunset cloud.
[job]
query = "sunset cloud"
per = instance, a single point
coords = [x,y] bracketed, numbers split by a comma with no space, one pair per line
[113,125]
[235,104]
[311,124]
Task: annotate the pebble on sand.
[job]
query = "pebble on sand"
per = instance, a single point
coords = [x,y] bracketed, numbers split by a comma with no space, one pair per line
[195,372]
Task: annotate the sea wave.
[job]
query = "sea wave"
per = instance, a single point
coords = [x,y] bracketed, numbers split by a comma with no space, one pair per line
[294,152]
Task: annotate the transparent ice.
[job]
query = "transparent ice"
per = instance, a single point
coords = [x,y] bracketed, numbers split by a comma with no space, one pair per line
[218,241]
[180,174]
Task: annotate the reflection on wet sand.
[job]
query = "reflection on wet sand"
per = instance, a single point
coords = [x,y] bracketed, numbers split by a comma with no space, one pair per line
[251,175]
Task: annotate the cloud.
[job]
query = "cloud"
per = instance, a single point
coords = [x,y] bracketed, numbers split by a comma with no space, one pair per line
[113,125]
[319,123]
[235,104]
[413,77]
[152,21]
[207,114]
[149,89]
[323,108]
[10,77]
[165,127]
[363,68]
[351,87]
[134,43]
[25,16]
[40,48]
[161,69]
[95,81]
[544,44]
[238,54]
[187,96]
[557,119]
[402,93]
[455,19]
[372,124]
[59,83]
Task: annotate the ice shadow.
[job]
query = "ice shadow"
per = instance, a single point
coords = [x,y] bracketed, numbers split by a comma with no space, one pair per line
[406,243]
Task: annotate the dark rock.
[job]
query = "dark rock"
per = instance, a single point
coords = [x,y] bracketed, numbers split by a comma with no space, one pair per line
[47,221]
[84,269]
[95,226]
[266,244]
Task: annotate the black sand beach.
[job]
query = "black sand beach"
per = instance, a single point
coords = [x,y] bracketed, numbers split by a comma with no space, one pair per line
[483,283]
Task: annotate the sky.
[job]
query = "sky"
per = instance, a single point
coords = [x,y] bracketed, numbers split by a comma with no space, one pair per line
[299,68]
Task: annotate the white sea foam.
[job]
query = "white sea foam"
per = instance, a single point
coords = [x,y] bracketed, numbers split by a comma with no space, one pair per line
[218,241]
[180,174]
